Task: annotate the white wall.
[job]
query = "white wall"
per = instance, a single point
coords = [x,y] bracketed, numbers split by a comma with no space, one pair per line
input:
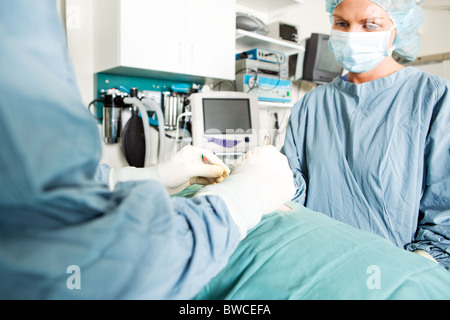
[434,32]
[310,17]
[79,27]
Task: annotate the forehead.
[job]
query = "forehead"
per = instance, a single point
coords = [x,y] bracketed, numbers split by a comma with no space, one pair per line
[360,10]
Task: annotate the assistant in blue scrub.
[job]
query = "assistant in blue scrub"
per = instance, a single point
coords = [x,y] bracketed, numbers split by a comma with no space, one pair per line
[72,228]
[372,149]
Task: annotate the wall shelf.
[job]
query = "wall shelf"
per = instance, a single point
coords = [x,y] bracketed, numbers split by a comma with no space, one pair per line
[246,40]
[435,58]
[268,104]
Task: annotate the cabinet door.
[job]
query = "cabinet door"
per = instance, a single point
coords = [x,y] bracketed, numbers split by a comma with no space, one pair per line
[210,38]
[152,34]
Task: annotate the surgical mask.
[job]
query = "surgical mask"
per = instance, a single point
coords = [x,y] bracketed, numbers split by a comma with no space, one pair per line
[359,52]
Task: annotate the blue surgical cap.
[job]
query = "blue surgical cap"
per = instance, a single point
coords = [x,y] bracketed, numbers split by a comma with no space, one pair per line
[407,17]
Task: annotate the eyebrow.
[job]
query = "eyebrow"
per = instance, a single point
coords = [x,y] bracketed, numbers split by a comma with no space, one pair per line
[362,20]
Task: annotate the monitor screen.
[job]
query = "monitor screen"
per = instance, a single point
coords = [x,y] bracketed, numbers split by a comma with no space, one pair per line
[319,62]
[226,114]
[327,61]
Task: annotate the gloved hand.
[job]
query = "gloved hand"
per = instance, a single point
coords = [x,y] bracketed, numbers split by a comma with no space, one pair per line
[259,186]
[183,169]
[187,167]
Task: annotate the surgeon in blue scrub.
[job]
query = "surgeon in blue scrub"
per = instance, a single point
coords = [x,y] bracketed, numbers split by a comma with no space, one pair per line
[71,228]
[372,148]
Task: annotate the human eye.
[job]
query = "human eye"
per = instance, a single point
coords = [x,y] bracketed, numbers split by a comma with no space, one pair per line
[340,24]
[372,25]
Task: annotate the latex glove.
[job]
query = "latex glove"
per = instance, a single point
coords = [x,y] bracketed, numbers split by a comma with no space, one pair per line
[183,169]
[262,184]
[187,167]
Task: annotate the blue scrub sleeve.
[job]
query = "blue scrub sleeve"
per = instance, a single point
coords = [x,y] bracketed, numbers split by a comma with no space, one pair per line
[146,245]
[433,233]
[290,150]
[102,174]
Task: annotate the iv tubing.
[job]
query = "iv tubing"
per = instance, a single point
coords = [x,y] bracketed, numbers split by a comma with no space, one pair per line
[185,114]
[153,106]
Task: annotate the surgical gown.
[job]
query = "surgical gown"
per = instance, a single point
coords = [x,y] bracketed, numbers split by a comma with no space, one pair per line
[63,234]
[377,156]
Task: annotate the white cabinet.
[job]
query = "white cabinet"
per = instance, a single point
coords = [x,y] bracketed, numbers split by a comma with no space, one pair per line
[183,39]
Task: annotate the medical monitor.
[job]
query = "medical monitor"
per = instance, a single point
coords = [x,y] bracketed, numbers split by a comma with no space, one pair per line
[225,122]
[319,63]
